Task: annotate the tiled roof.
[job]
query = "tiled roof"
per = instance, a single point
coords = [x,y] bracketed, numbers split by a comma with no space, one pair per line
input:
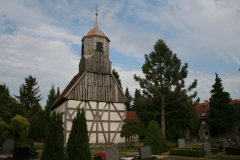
[95,31]
[132,115]
[65,91]
[201,108]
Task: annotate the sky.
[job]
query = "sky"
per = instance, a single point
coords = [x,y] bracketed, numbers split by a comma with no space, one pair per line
[42,38]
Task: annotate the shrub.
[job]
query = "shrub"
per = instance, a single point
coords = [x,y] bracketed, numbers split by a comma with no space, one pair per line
[33,152]
[3,131]
[233,150]
[53,144]
[78,141]
[188,152]
[18,130]
[154,138]
[214,150]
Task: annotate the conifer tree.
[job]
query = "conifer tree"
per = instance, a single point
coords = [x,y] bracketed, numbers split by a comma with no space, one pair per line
[58,93]
[28,93]
[53,143]
[221,115]
[164,79]
[117,77]
[129,98]
[155,139]
[51,99]
[78,141]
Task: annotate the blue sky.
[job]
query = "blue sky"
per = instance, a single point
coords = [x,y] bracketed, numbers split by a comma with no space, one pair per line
[43,38]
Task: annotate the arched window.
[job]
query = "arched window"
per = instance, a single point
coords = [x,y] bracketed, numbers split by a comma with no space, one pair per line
[99,46]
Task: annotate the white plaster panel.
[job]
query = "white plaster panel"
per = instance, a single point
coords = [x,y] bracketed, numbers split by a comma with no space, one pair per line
[120,106]
[63,117]
[101,138]
[67,136]
[68,116]
[102,105]
[94,126]
[89,124]
[105,126]
[93,104]
[60,108]
[92,138]
[74,115]
[73,103]
[69,125]
[105,115]
[117,139]
[70,111]
[114,126]
[115,116]
[89,115]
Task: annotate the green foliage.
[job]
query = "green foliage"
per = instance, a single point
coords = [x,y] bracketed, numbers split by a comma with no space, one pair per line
[18,130]
[53,144]
[155,139]
[52,96]
[132,128]
[129,98]
[33,152]
[4,104]
[31,113]
[221,115]
[97,157]
[117,77]
[38,126]
[58,93]
[78,141]
[233,150]
[3,130]
[188,152]
[28,93]
[164,82]
[214,150]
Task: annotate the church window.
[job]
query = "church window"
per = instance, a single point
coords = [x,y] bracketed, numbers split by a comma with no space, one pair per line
[99,46]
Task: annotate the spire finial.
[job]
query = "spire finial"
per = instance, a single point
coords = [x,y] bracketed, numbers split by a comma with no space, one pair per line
[96,17]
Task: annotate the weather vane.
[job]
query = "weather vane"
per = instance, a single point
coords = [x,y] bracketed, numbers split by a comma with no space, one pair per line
[97,11]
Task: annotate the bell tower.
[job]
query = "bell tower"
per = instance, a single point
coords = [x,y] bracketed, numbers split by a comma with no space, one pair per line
[95,52]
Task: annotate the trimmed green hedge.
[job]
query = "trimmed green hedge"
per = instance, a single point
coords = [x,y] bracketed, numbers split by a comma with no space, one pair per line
[233,150]
[188,152]
[214,150]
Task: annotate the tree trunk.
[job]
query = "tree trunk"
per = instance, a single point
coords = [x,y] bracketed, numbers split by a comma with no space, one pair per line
[163,117]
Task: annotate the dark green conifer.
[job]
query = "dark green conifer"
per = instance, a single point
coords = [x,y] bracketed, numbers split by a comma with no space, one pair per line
[78,141]
[51,99]
[129,98]
[117,77]
[53,144]
[221,115]
[155,139]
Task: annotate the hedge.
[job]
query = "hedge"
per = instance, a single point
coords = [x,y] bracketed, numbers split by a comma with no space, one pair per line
[214,150]
[188,152]
[233,150]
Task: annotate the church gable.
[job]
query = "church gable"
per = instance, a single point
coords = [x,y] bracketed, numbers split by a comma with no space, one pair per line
[97,87]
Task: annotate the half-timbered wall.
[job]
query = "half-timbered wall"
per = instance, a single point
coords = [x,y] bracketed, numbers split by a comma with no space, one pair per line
[104,120]
[97,87]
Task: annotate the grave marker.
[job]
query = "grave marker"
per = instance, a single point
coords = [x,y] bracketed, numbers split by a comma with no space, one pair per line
[7,147]
[145,152]
[111,155]
[181,143]
[207,148]
[224,144]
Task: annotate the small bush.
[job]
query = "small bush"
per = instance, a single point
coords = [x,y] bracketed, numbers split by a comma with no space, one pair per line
[233,150]
[188,152]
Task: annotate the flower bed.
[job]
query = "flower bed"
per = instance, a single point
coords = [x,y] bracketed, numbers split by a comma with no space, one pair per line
[194,152]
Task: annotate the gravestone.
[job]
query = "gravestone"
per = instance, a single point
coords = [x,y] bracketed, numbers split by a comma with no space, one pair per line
[66,156]
[207,148]
[113,146]
[7,147]
[181,143]
[205,139]
[238,142]
[237,137]
[224,144]
[21,153]
[111,155]
[145,152]
[211,141]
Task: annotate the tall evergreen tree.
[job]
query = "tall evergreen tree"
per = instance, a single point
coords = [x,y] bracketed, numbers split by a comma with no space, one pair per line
[4,104]
[221,115]
[28,93]
[78,141]
[51,99]
[164,79]
[53,143]
[117,77]
[129,98]
[58,93]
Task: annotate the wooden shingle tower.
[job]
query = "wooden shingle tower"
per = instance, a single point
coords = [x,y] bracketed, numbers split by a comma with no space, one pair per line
[95,89]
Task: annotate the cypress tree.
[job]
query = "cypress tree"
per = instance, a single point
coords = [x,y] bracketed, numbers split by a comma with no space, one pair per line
[129,98]
[155,139]
[117,77]
[53,144]
[221,115]
[78,141]
[51,99]
[58,93]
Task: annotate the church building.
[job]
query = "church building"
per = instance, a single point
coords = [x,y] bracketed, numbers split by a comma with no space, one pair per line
[96,90]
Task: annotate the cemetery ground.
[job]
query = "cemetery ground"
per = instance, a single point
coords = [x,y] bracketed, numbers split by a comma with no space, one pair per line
[133,151]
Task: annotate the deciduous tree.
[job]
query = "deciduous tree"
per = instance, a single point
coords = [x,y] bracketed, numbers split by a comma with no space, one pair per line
[164,81]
